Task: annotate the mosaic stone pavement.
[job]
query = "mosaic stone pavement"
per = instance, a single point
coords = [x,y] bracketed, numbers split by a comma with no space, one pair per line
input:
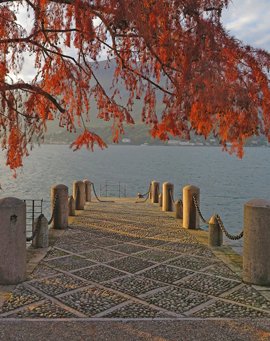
[126,261]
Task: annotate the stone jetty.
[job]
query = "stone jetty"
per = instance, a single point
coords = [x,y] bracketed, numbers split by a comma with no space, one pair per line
[128,267]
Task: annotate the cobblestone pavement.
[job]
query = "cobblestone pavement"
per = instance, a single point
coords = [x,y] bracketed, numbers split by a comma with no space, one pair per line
[126,261]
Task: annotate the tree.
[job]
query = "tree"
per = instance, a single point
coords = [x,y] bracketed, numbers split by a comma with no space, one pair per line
[211,83]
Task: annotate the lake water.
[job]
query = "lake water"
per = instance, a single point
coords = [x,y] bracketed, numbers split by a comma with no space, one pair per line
[226,182]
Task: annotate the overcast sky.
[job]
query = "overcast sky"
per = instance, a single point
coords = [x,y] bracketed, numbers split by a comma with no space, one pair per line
[249,20]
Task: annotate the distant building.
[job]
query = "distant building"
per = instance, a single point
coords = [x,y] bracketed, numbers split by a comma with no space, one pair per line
[126,140]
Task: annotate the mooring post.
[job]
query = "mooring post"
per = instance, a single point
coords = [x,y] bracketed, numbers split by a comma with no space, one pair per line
[256,249]
[88,186]
[59,206]
[41,233]
[167,197]
[215,234]
[12,241]
[155,192]
[190,214]
[178,209]
[79,194]
[71,206]
[160,199]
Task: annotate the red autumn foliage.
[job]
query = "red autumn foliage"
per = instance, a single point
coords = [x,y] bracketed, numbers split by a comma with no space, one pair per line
[211,82]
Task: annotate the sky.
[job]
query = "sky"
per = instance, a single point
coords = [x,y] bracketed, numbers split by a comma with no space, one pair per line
[247,20]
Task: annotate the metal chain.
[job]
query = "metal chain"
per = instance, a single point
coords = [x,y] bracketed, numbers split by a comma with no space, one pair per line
[95,193]
[147,194]
[171,195]
[196,204]
[53,210]
[227,234]
[29,239]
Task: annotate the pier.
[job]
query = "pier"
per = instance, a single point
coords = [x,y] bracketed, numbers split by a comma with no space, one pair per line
[126,260]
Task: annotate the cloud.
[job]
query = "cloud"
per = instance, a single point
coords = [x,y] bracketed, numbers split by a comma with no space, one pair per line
[248,20]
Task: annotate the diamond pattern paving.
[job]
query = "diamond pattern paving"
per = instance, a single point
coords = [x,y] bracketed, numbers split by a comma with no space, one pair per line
[58,284]
[134,285]
[92,301]
[131,264]
[99,273]
[122,260]
[177,300]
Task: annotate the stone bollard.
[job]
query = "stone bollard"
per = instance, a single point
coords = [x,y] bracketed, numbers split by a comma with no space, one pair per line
[88,186]
[155,192]
[12,241]
[191,218]
[178,209]
[167,195]
[79,194]
[160,199]
[256,250]
[41,238]
[59,202]
[215,235]
[71,206]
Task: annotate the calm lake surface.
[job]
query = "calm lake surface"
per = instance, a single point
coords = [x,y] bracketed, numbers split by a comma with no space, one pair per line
[226,182]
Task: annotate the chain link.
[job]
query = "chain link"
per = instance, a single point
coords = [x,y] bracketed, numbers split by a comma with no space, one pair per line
[53,210]
[227,234]
[171,195]
[29,239]
[196,204]
[147,194]
[95,193]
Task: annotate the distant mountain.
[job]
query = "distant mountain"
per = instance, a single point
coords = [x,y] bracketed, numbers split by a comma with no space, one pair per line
[104,73]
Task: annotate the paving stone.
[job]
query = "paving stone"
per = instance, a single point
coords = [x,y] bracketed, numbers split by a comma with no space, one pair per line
[130,264]
[44,310]
[102,255]
[79,247]
[223,309]
[57,285]
[107,242]
[42,270]
[53,253]
[156,255]
[136,310]
[166,274]
[208,284]
[190,262]
[222,270]
[70,263]
[133,285]
[249,296]
[150,242]
[198,250]
[92,301]
[19,297]
[128,248]
[99,273]
[177,300]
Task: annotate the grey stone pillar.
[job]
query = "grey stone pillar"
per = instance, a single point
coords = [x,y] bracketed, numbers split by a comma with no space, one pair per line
[215,235]
[12,241]
[191,218]
[88,186]
[155,192]
[167,194]
[160,200]
[59,199]
[41,238]
[178,209]
[71,206]
[79,194]
[256,250]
